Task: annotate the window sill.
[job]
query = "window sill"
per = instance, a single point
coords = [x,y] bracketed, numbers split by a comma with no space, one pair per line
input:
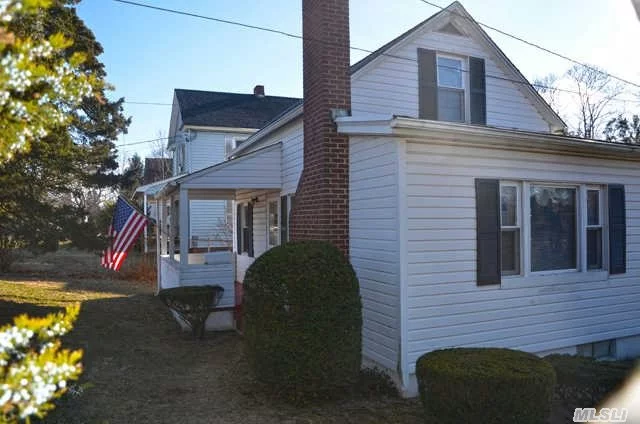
[556,278]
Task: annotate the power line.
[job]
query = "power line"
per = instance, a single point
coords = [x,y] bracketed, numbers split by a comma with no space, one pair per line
[148,103]
[360,49]
[537,46]
[144,141]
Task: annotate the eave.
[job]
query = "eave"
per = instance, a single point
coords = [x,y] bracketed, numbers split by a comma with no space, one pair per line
[475,136]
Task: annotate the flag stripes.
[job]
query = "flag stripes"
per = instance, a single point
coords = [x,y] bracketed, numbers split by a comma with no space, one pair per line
[126,226]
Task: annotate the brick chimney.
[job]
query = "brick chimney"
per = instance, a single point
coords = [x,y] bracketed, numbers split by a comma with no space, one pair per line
[258,91]
[321,209]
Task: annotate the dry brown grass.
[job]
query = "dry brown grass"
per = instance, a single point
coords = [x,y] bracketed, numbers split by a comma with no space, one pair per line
[139,368]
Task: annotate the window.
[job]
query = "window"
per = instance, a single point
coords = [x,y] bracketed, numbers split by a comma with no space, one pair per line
[451,89]
[553,228]
[510,228]
[245,229]
[594,229]
[273,223]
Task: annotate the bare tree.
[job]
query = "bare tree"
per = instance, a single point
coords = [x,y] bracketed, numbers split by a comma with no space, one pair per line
[547,86]
[595,92]
[159,149]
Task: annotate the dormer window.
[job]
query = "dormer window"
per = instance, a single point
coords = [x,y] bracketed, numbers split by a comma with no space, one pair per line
[451,89]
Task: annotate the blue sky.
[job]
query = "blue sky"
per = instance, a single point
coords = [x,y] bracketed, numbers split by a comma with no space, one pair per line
[149,53]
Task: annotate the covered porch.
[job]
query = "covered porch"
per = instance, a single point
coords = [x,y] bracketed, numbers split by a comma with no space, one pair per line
[188,260]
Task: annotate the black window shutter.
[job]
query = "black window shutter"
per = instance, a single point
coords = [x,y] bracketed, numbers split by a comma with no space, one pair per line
[617,230]
[477,91]
[239,228]
[427,85]
[250,228]
[488,231]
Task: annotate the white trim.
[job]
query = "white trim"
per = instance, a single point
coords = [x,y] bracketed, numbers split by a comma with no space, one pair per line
[462,134]
[184,226]
[219,129]
[403,237]
[518,224]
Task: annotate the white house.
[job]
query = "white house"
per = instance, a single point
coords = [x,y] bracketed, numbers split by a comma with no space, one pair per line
[470,219]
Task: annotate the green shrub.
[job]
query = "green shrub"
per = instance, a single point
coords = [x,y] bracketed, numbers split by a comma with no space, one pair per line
[489,386]
[193,304]
[302,314]
[585,382]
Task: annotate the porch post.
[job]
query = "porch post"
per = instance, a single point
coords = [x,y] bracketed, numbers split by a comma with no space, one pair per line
[184,226]
[146,233]
[158,245]
[162,225]
[172,228]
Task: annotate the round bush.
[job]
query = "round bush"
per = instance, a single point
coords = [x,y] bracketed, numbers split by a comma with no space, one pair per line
[302,315]
[490,386]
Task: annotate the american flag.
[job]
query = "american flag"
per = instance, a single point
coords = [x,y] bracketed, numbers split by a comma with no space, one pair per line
[126,225]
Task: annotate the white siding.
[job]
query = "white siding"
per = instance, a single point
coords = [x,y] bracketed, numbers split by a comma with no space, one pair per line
[291,136]
[206,149]
[390,86]
[292,151]
[260,169]
[445,306]
[373,233]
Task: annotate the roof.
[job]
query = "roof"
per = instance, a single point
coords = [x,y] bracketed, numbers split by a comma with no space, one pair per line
[233,110]
[156,169]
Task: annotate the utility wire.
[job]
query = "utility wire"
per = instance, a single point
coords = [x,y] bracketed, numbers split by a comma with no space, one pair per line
[144,141]
[360,49]
[147,103]
[537,46]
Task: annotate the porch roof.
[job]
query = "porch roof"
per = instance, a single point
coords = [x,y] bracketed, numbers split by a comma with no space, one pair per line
[154,188]
[260,169]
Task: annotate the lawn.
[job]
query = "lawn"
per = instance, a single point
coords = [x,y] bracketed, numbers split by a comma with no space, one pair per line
[139,368]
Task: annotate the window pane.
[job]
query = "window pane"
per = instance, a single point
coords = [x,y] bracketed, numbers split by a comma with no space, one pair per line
[593,207]
[508,205]
[449,72]
[450,105]
[553,228]
[510,252]
[273,223]
[594,248]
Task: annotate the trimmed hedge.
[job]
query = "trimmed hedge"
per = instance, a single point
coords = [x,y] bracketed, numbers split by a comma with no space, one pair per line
[489,386]
[585,382]
[193,304]
[302,316]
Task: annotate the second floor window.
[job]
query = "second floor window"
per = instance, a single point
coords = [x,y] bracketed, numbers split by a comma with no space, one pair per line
[451,86]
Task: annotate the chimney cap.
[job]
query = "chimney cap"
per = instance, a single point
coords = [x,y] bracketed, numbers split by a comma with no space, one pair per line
[258,91]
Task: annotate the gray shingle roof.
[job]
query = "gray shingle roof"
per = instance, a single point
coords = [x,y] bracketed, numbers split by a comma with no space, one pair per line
[218,109]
